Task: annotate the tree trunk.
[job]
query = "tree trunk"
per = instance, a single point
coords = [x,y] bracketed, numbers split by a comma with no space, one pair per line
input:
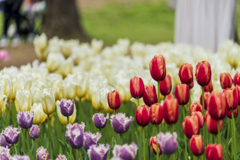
[63,20]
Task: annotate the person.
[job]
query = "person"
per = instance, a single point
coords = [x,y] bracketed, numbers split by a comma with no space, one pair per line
[205,23]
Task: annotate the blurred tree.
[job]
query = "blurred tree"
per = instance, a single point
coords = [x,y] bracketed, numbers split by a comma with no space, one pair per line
[62,19]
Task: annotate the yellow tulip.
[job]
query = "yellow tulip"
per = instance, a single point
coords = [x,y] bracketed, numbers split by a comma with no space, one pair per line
[3,98]
[23,100]
[59,89]
[48,101]
[36,94]
[62,118]
[7,86]
[39,115]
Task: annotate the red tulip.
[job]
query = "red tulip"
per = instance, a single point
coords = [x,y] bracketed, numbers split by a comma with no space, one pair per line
[142,115]
[235,113]
[236,79]
[191,85]
[196,145]
[196,107]
[217,106]
[190,126]
[231,98]
[206,98]
[153,146]
[237,88]
[182,94]
[157,68]
[209,87]
[186,73]
[156,113]
[226,80]
[170,96]
[150,95]
[212,124]
[114,100]
[170,111]
[166,85]
[214,152]
[137,87]
[200,117]
[203,73]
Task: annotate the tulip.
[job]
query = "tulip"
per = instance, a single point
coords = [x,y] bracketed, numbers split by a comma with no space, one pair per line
[24,157]
[63,119]
[98,152]
[48,101]
[206,98]
[67,107]
[104,99]
[42,153]
[114,100]
[11,134]
[235,113]
[182,94]
[138,102]
[5,80]
[39,115]
[142,115]
[153,146]
[236,79]
[34,131]
[74,134]
[203,73]
[157,68]
[4,154]
[120,122]
[212,125]
[191,85]
[214,152]
[166,85]
[196,107]
[23,100]
[59,89]
[168,142]
[170,96]
[137,87]
[61,157]
[231,98]
[25,119]
[82,79]
[36,94]
[150,95]
[90,139]
[3,98]
[226,80]
[3,142]
[190,126]
[127,152]
[237,88]
[170,111]
[196,145]
[186,73]
[217,106]
[4,55]
[99,120]
[200,117]
[209,87]
[156,114]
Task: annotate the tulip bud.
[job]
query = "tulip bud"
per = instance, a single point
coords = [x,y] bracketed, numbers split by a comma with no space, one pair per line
[114,100]
[11,134]
[98,152]
[121,123]
[203,73]
[206,98]
[48,101]
[191,126]
[142,115]
[99,120]
[42,152]
[196,145]
[153,145]
[90,139]
[212,124]
[23,100]
[170,96]
[209,87]
[8,86]
[217,106]
[170,111]
[157,68]
[226,80]
[236,79]
[191,85]
[25,119]
[231,98]
[235,113]
[237,88]
[214,152]
[156,113]
[194,107]
[75,140]
[58,89]
[63,119]
[39,115]
[34,131]
[150,95]
[186,73]
[182,94]
[137,87]
[168,142]
[125,151]
[200,117]
[166,85]
[67,107]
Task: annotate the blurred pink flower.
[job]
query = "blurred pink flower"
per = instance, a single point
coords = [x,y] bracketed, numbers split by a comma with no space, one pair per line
[4,55]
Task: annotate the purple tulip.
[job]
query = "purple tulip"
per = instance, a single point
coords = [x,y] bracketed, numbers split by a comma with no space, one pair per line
[99,120]
[3,142]
[24,157]
[25,119]
[126,152]
[61,157]
[74,134]
[168,142]
[42,154]
[11,134]
[98,152]
[67,107]
[34,131]
[120,122]
[91,139]
[4,154]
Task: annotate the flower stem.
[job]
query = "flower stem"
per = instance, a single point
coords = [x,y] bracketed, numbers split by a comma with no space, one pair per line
[138,102]
[34,148]
[157,143]
[79,111]
[228,130]
[6,111]
[121,139]
[159,92]
[144,157]
[26,131]
[219,133]
[80,153]
[183,110]
[234,137]
[172,133]
[49,142]
[24,147]
[203,97]
[70,148]
[1,127]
